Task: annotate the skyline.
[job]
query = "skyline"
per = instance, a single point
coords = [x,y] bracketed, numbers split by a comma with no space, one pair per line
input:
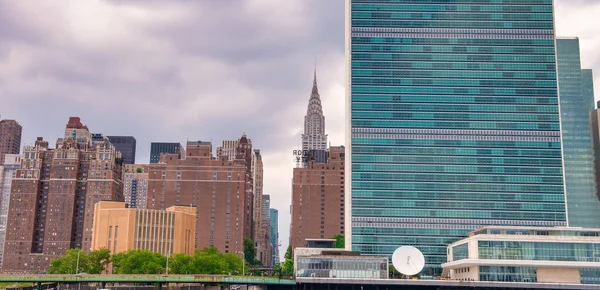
[84,63]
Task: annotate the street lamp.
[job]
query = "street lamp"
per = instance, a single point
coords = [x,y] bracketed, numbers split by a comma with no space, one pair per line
[77,266]
[243,263]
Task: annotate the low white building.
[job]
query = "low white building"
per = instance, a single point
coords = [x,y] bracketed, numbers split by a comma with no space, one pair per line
[526,254]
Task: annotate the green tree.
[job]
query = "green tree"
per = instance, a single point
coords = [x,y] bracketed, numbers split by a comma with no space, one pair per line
[234,263]
[339,241]
[67,264]
[249,251]
[139,262]
[287,269]
[182,264]
[210,261]
[139,170]
[288,253]
[98,261]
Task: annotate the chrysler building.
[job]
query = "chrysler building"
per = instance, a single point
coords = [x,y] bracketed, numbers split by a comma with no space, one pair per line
[314,137]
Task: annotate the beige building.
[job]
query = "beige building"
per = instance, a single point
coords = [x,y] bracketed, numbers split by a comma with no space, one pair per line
[526,254]
[120,229]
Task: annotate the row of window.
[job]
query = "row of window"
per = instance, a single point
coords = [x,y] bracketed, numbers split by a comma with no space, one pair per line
[452,213]
[457,186]
[453,24]
[525,6]
[504,174]
[453,195]
[498,161]
[483,146]
[468,203]
[442,149]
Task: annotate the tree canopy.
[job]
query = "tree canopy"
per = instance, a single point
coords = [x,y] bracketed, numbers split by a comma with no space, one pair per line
[204,261]
[139,262]
[339,241]
[94,262]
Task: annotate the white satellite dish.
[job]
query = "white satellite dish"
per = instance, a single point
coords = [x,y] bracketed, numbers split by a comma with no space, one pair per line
[408,260]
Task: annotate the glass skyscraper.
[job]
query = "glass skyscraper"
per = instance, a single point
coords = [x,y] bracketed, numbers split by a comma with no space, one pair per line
[156,148]
[576,103]
[453,122]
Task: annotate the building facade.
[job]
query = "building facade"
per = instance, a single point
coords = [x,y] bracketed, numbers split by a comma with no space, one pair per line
[314,139]
[126,145]
[576,105]
[595,120]
[120,229]
[52,198]
[8,171]
[243,155]
[157,148]
[452,122]
[10,138]
[257,216]
[527,254]
[266,253]
[274,215]
[318,199]
[135,185]
[216,187]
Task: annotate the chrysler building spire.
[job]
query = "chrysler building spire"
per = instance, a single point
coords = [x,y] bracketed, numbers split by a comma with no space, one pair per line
[314,137]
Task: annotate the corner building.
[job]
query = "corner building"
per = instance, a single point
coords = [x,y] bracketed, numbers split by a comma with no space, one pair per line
[52,198]
[452,120]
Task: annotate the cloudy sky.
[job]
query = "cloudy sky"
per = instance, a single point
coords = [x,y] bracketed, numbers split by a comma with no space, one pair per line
[197,70]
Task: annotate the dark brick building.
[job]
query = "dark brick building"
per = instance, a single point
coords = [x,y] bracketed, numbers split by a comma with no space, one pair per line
[53,195]
[10,138]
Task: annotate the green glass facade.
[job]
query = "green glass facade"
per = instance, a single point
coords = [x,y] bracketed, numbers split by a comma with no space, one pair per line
[576,104]
[546,251]
[454,122]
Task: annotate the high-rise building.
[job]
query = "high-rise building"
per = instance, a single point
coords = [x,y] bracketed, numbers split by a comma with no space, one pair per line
[274,215]
[157,148]
[216,187]
[576,105]
[53,195]
[266,255]
[452,122]
[240,152]
[135,185]
[318,199]
[314,139]
[257,187]
[10,138]
[121,229]
[8,171]
[595,120]
[126,145]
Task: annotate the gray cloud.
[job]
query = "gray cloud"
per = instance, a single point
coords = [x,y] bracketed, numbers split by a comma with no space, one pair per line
[171,70]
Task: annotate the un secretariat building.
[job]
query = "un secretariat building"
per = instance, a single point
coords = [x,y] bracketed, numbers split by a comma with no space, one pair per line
[452,121]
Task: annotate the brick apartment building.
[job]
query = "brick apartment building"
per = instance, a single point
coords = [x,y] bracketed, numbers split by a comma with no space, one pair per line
[10,138]
[53,196]
[216,186]
[318,199]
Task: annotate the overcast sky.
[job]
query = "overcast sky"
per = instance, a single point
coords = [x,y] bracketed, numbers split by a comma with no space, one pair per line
[197,70]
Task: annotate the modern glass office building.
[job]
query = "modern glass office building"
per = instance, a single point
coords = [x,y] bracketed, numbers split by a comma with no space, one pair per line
[576,103]
[527,254]
[452,120]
